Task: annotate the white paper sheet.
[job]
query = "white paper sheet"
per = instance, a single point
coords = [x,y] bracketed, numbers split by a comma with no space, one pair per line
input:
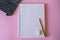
[29,15]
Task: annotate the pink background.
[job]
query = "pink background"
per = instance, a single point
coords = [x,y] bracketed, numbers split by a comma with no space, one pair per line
[9,24]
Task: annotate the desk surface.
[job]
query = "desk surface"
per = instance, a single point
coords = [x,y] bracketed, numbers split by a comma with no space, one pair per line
[8,25]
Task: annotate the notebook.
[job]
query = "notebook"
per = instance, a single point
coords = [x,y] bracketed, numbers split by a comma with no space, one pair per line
[29,25]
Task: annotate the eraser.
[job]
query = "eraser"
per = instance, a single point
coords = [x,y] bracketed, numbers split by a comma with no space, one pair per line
[9,6]
[39,32]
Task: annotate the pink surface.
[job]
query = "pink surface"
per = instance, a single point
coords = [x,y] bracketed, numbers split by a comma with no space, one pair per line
[9,24]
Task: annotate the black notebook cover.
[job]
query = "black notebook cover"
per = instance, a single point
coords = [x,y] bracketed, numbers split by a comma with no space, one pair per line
[9,6]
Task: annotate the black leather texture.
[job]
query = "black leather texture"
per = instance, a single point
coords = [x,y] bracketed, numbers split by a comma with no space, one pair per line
[9,6]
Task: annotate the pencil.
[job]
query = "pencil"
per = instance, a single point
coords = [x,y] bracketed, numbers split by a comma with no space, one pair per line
[42,27]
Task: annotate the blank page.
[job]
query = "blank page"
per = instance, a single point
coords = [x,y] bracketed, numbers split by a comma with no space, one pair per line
[29,15]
